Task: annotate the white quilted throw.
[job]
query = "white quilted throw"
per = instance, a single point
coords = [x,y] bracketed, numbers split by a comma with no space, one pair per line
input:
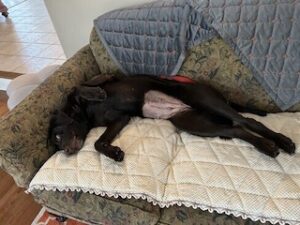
[169,167]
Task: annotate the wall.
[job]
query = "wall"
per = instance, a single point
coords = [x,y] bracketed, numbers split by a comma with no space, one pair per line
[73,20]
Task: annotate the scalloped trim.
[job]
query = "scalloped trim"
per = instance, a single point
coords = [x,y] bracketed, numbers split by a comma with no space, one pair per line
[163,204]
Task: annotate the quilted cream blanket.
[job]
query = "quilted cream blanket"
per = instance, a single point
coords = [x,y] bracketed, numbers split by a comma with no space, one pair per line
[169,167]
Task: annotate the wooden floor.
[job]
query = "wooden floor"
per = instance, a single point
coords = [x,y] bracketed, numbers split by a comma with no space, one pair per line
[9,75]
[16,207]
[3,99]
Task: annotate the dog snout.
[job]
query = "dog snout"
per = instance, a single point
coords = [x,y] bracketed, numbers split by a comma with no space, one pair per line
[74,146]
[77,144]
[69,151]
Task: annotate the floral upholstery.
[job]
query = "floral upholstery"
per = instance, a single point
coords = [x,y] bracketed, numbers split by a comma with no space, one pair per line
[105,210]
[97,209]
[23,141]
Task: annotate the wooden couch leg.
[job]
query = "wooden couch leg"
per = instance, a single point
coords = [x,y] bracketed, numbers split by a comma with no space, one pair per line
[61,219]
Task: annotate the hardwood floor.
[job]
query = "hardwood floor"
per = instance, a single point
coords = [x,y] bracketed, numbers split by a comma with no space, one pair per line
[9,75]
[16,207]
[3,100]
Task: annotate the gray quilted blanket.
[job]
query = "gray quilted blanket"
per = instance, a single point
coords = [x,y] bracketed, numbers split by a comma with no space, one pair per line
[153,38]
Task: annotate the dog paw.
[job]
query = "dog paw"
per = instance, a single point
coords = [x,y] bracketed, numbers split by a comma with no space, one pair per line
[110,151]
[269,148]
[286,144]
[225,138]
[118,154]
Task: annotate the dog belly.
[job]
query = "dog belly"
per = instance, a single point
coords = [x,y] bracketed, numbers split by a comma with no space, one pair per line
[158,105]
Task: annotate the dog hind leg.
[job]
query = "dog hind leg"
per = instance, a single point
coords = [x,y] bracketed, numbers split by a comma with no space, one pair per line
[199,124]
[203,98]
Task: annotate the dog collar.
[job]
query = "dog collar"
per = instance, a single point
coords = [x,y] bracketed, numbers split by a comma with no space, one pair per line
[179,78]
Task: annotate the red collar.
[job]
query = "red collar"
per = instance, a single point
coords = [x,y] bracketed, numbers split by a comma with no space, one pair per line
[179,78]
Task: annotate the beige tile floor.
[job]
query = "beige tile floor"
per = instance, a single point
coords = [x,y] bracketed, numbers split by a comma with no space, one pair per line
[28,41]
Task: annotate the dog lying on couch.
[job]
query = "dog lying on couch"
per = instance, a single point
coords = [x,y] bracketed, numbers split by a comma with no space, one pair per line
[192,107]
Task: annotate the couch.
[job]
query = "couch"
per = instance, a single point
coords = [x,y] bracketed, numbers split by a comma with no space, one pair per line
[23,141]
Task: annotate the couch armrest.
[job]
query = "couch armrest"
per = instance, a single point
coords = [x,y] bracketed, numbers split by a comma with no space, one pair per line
[23,140]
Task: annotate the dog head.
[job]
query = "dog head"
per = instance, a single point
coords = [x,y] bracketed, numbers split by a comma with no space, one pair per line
[69,127]
[65,133]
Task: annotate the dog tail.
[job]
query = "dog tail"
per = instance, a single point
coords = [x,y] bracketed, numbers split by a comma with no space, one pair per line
[245,109]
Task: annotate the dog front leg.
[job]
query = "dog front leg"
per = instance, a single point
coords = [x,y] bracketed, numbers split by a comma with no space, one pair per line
[103,144]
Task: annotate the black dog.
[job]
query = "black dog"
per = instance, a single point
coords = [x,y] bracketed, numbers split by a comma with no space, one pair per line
[111,101]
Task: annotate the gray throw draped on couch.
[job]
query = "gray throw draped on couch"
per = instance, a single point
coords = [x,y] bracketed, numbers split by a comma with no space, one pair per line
[153,38]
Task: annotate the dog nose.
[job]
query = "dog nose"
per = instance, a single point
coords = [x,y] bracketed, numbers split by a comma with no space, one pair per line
[73,146]
[68,151]
[71,150]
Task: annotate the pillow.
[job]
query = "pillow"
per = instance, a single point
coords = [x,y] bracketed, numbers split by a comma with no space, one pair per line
[23,85]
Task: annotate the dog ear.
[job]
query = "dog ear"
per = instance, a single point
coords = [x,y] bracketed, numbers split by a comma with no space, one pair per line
[51,127]
[95,94]
[74,95]
[98,80]
[55,112]
[59,118]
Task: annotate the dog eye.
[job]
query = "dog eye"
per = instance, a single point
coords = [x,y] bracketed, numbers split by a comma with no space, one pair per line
[57,138]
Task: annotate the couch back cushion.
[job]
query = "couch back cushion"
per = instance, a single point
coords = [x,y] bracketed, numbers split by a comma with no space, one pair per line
[105,63]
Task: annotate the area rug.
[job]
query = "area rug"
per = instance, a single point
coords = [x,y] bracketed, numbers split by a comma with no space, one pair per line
[46,218]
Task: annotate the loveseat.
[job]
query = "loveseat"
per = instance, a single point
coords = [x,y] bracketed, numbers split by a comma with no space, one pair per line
[23,141]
